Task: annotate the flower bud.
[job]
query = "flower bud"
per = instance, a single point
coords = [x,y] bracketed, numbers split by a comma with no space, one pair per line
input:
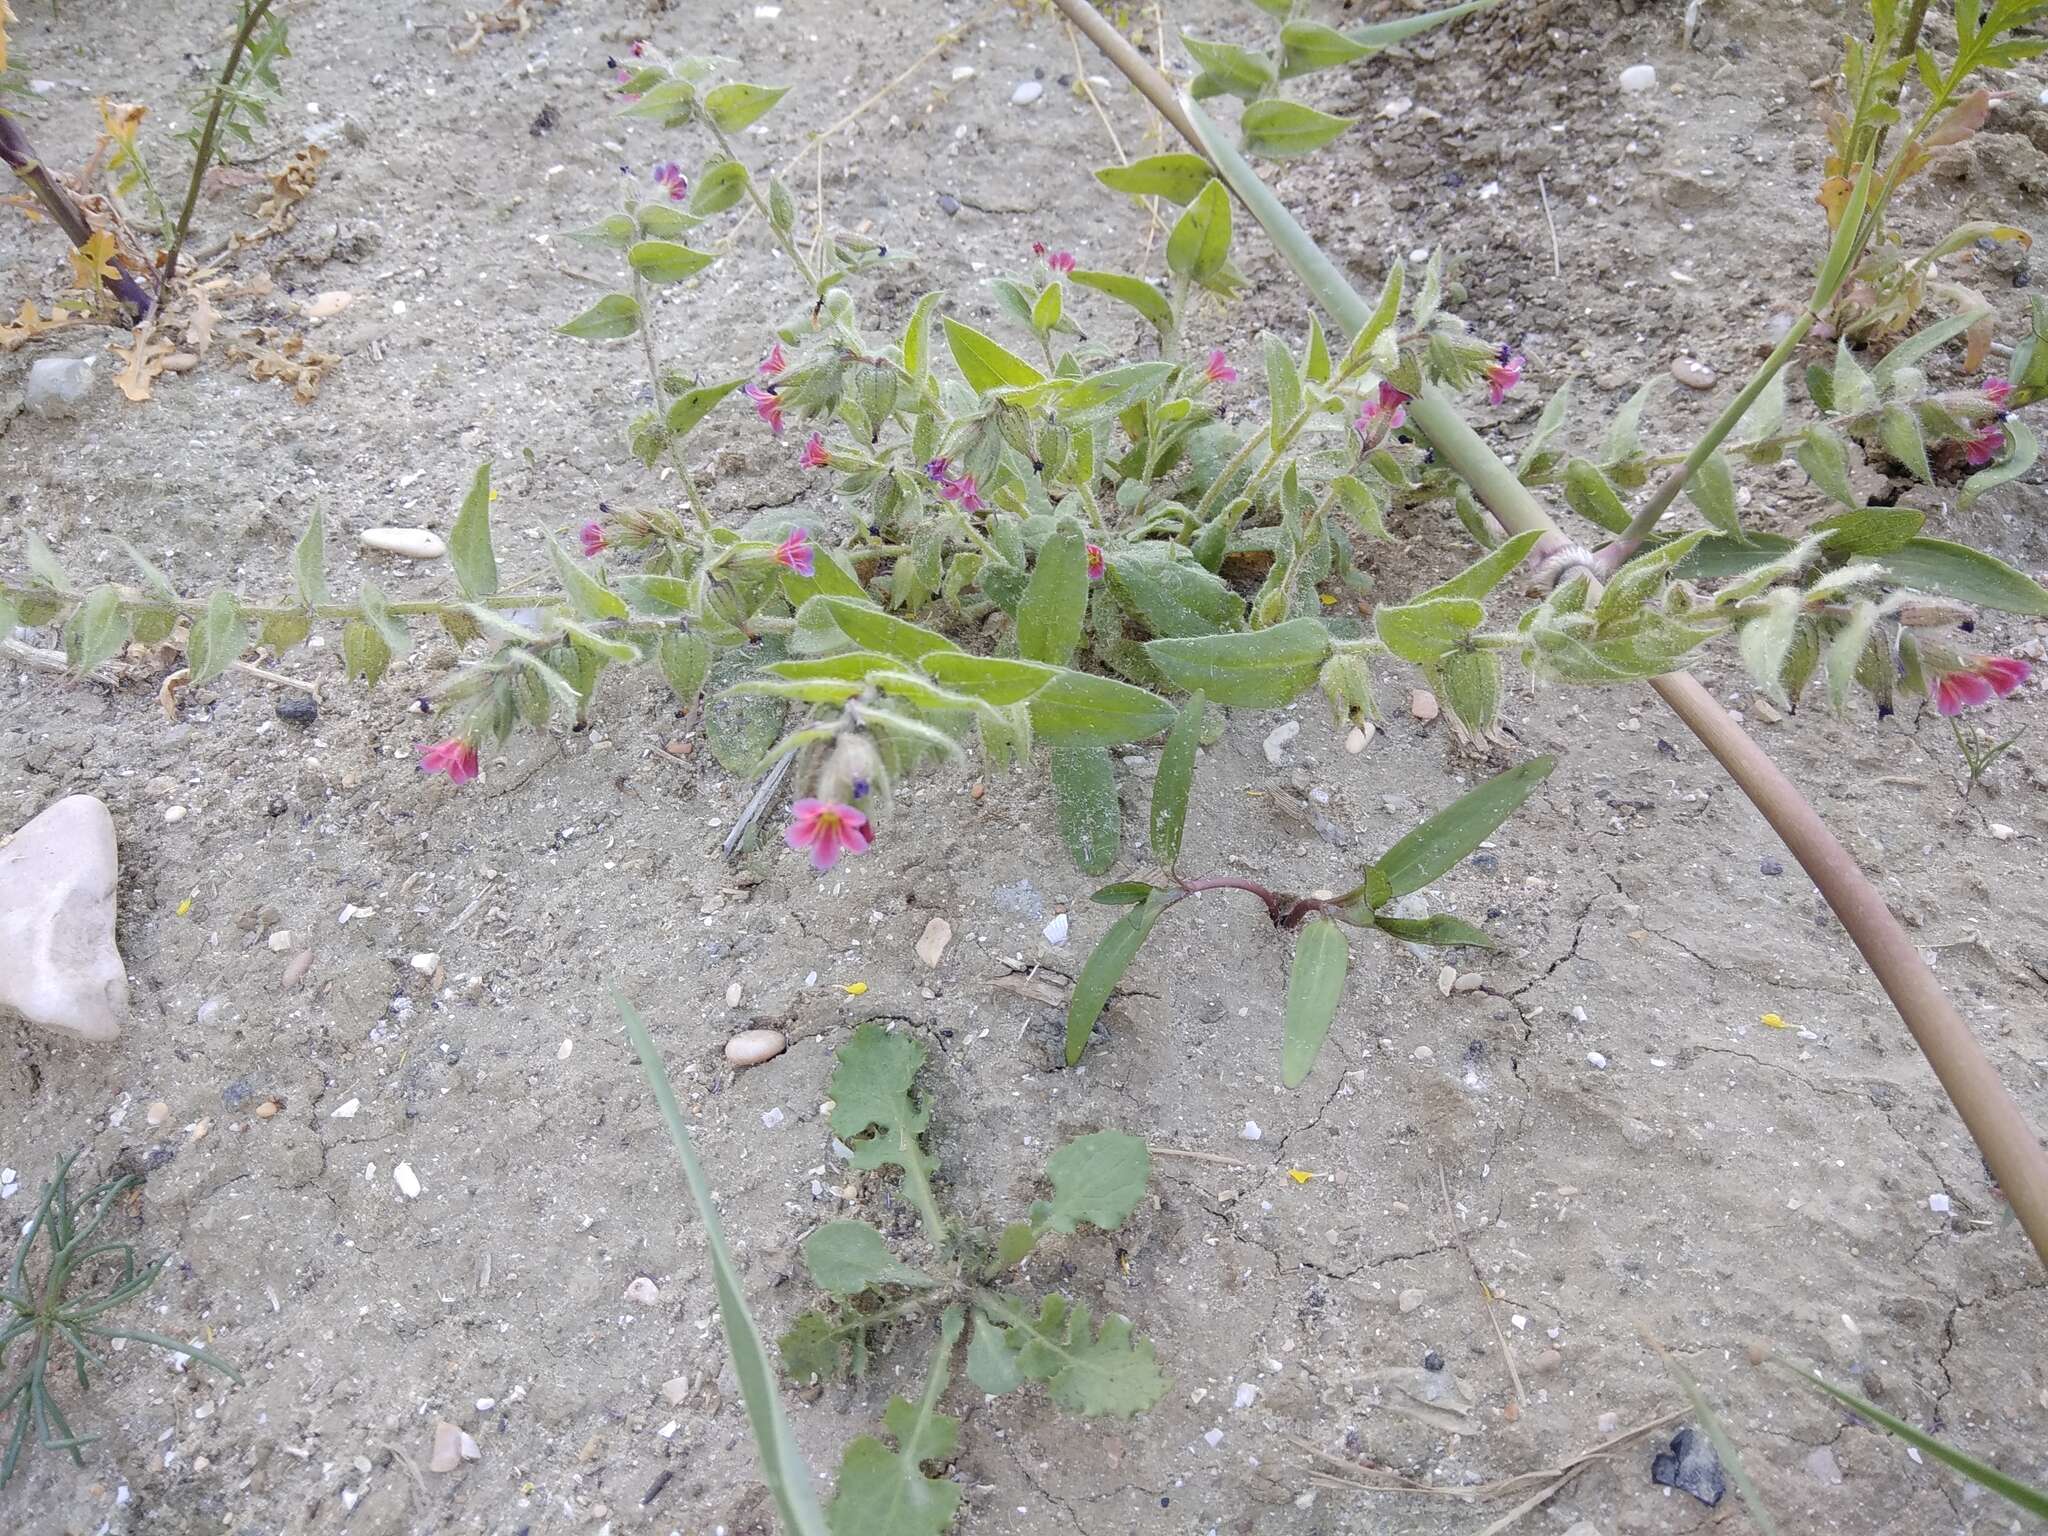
[1346,682]
[853,774]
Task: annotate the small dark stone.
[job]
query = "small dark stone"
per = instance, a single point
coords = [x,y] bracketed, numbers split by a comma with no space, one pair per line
[2022,278]
[544,121]
[237,1093]
[948,204]
[1453,179]
[1433,1361]
[297,707]
[1486,862]
[1691,1467]
[158,1157]
[1771,867]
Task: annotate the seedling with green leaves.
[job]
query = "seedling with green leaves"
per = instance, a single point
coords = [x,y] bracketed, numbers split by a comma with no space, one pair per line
[971,1282]
[1322,953]
[53,1311]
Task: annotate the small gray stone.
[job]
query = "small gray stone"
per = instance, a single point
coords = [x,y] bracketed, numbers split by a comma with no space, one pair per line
[1771,867]
[1822,1467]
[1692,373]
[948,204]
[57,879]
[297,707]
[1026,93]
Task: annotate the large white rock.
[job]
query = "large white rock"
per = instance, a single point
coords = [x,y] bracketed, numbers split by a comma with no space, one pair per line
[58,964]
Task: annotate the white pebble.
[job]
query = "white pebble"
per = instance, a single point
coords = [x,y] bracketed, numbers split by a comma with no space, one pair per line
[1056,930]
[426,962]
[281,941]
[1247,1394]
[962,72]
[408,1182]
[175,813]
[732,994]
[1214,1438]
[1422,704]
[1608,1423]
[1251,1131]
[751,1047]
[565,1050]
[347,1111]
[1595,1060]
[56,385]
[931,944]
[1277,739]
[412,543]
[1359,739]
[1638,77]
[1938,1203]
[772,1119]
[1026,93]
[2002,832]
[643,1291]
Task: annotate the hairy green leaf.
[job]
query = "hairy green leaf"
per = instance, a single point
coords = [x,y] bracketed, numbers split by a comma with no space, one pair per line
[1056,602]
[1315,985]
[1087,1372]
[1434,847]
[217,639]
[1280,130]
[1105,968]
[847,1257]
[1262,669]
[1178,178]
[469,541]
[1086,806]
[1099,1179]
[610,318]
[1082,709]
[986,364]
[1175,778]
[736,105]
[666,261]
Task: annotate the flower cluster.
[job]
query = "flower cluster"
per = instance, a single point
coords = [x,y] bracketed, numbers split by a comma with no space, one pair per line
[669,174]
[955,488]
[1383,417]
[1979,681]
[1061,262]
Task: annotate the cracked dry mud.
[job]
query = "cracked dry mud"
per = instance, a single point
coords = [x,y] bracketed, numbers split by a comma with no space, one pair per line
[1718,1182]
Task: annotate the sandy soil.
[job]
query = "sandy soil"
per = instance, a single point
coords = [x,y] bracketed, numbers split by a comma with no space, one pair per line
[1716,1182]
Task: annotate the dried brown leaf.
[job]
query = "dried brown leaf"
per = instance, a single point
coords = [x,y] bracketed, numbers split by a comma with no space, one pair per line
[290,187]
[28,324]
[288,360]
[199,328]
[143,359]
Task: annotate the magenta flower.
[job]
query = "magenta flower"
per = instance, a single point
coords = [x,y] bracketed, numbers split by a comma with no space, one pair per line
[774,362]
[766,406]
[825,829]
[1061,261]
[639,48]
[1998,390]
[814,455]
[1391,405]
[1985,446]
[1504,375]
[1096,563]
[1985,678]
[454,757]
[795,552]
[936,469]
[594,541]
[961,488]
[1219,369]
[669,174]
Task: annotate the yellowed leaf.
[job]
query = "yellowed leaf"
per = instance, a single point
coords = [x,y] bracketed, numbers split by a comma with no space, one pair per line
[143,359]
[93,262]
[199,329]
[28,324]
[289,361]
[6,16]
[1833,196]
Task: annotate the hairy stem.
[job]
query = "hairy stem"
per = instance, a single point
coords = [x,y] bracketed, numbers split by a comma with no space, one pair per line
[208,137]
[675,456]
[20,157]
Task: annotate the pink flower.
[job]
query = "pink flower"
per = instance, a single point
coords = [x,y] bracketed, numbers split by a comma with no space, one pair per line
[1219,370]
[639,48]
[1504,375]
[795,552]
[1096,563]
[1985,678]
[766,406]
[814,455]
[961,488]
[827,829]
[669,174]
[454,757]
[594,540]
[1061,261]
[774,362]
[936,469]
[1390,404]
[1998,390]
[1984,447]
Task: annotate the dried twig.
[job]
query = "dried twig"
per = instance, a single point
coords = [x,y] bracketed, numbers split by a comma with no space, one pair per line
[1556,261]
[1485,1290]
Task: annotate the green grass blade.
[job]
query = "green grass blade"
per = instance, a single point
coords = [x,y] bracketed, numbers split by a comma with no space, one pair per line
[782,1464]
[2024,1495]
[1384,34]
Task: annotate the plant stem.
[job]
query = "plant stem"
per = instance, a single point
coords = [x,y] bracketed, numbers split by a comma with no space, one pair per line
[1229,472]
[20,157]
[208,135]
[761,207]
[675,457]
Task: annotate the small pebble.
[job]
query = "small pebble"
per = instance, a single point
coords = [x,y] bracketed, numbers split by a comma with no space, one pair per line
[676,1391]
[948,204]
[1638,78]
[408,1182]
[1692,373]
[1056,930]
[1936,1203]
[1213,1438]
[1470,981]
[565,1050]
[1026,93]
[1247,1394]
[297,707]
[1608,1423]
[1822,1467]
[295,972]
[280,941]
[931,944]
[1548,1362]
[347,1111]
[267,1109]
[1357,741]
[732,994]
[446,1454]
[175,813]
[1596,1061]
[426,962]
[158,1113]
[1424,1053]
[643,1291]
[1432,1360]
[412,543]
[1771,867]
[772,1120]
[962,72]
[1422,704]
[2002,832]
[751,1047]
[1412,1298]
[1277,739]
[1446,979]
[57,385]
[1251,1131]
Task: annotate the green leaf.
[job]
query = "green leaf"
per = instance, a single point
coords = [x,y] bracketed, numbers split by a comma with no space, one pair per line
[1099,1179]
[1046,310]
[1968,575]
[587,595]
[1280,129]
[216,640]
[1142,296]
[309,561]
[985,364]
[1899,430]
[611,317]
[1712,490]
[1105,968]
[1082,709]
[1317,368]
[1124,893]
[1262,669]
[722,183]
[43,566]
[873,630]
[992,679]
[1435,846]
[364,652]
[1479,579]
[991,1364]
[1309,45]
[782,1464]
[96,631]
[685,658]
[1588,492]
[1174,597]
[660,221]
[617,231]
[1825,457]
[693,405]
[2021,1495]
[1624,435]
[666,261]
[1440,929]
[1384,34]
[1015,1243]
[813,1349]
[661,596]
[1238,71]
[1283,386]
[873,1110]
[1177,178]
[1423,631]
[1870,531]
[1176,777]
[1852,390]
[1199,242]
[847,1257]
[1056,602]
[1085,800]
[152,578]
[1315,986]
[2026,448]
[735,106]
[1089,1373]
[469,541]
